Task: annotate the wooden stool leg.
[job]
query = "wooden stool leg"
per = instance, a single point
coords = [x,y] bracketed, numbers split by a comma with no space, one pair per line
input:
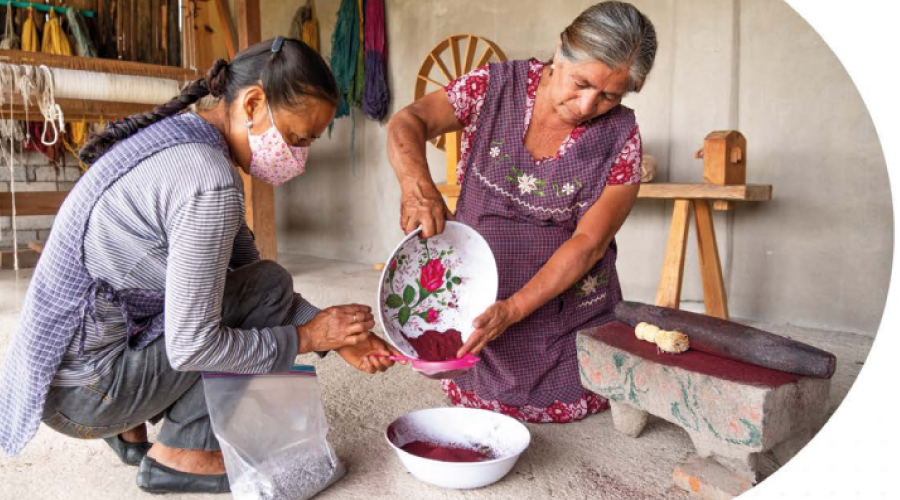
[669,292]
[452,147]
[710,268]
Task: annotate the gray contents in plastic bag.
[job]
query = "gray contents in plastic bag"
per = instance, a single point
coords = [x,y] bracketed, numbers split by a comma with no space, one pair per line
[273,434]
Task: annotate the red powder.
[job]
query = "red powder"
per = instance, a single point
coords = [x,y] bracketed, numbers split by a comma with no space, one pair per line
[437,346]
[445,453]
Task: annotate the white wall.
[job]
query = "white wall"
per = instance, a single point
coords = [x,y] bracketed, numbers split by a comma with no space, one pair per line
[818,255]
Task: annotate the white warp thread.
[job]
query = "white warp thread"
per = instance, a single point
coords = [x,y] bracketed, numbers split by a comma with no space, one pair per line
[94,86]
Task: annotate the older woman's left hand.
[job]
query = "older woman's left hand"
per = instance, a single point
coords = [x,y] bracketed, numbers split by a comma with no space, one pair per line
[490,325]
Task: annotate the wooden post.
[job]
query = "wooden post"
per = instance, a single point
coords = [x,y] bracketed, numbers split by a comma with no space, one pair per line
[225,24]
[451,147]
[669,292]
[710,269]
[259,196]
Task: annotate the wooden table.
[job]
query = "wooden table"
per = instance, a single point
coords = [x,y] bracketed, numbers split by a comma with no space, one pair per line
[668,293]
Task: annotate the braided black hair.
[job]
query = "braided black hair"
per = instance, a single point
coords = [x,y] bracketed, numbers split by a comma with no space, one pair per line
[287,75]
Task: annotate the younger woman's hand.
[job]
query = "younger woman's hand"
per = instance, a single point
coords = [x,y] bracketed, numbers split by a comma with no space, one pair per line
[336,327]
[369,356]
[490,325]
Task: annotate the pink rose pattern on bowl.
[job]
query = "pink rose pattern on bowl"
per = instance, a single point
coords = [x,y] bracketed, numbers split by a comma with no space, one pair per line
[429,294]
[440,284]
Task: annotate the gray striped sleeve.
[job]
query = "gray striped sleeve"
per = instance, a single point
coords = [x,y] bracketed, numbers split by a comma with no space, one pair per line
[201,237]
[245,252]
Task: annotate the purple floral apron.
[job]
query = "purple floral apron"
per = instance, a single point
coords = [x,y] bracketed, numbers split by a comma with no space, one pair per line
[526,210]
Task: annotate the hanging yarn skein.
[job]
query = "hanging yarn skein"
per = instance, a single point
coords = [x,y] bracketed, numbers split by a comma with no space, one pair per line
[10,40]
[305,25]
[359,78]
[77,25]
[55,40]
[376,95]
[344,52]
[30,40]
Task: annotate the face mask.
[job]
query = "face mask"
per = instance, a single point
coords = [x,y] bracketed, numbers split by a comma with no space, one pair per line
[272,160]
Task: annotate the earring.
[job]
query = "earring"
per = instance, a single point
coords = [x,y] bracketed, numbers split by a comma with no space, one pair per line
[248,123]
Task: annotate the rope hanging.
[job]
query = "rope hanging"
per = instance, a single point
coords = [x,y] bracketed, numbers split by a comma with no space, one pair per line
[8,79]
[376,94]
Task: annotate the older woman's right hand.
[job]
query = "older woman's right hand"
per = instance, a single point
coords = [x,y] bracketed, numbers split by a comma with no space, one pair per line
[423,206]
[336,327]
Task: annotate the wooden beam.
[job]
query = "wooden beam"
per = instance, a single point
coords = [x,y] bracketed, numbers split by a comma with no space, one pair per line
[98,65]
[174,38]
[32,203]
[79,109]
[742,192]
[452,150]
[449,190]
[249,25]
[259,196]
[27,258]
[227,29]
[188,34]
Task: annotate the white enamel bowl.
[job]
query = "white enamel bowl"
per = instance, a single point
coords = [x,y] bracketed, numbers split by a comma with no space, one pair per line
[508,437]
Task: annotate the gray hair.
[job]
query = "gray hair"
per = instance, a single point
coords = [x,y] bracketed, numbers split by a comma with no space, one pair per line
[616,34]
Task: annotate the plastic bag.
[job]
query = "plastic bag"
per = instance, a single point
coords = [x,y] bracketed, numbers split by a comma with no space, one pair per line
[273,434]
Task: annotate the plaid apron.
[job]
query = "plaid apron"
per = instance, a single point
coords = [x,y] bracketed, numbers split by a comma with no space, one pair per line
[526,210]
[62,292]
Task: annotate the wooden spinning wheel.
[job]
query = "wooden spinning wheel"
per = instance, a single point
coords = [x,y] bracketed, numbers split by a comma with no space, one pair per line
[450,59]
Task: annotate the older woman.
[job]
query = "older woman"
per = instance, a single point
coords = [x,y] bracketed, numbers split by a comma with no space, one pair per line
[550,168]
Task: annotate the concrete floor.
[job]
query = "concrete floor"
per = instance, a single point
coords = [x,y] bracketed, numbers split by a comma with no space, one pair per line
[588,459]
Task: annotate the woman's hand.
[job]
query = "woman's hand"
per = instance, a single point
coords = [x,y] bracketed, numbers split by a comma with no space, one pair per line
[490,325]
[369,356]
[423,206]
[408,130]
[336,327]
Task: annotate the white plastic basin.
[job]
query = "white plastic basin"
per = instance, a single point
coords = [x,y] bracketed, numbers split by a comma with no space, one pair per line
[466,427]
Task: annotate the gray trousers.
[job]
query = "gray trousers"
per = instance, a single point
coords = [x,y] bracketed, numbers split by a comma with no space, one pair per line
[142,386]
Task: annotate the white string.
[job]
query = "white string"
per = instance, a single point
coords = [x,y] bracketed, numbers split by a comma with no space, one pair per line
[51,111]
[10,83]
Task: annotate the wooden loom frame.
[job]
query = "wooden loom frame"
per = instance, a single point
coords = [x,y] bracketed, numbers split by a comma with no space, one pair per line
[259,197]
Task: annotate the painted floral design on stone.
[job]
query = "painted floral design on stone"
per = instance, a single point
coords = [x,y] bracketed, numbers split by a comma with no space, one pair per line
[590,284]
[435,278]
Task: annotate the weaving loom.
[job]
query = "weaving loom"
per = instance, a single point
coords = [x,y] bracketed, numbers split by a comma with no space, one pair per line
[55,89]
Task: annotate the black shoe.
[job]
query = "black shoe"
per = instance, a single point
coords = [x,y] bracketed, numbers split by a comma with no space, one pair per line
[129,453]
[154,477]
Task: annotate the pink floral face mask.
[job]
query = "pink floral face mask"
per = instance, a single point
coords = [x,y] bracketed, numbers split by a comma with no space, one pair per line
[272,160]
